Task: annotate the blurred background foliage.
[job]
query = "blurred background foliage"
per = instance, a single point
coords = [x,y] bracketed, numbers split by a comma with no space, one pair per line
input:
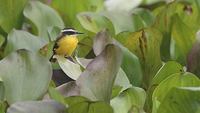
[136,56]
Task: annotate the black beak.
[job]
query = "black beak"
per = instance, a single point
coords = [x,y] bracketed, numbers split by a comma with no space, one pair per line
[79,33]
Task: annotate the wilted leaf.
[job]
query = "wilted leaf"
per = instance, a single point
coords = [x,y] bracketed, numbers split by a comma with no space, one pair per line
[49,106]
[103,69]
[11,14]
[175,80]
[26,76]
[131,99]
[70,68]
[23,40]
[181,100]
[43,17]
[146,45]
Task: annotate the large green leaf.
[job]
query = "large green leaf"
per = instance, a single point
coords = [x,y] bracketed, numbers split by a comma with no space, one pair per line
[103,69]
[43,17]
[146,45]
[70,8]
[166,70]
[130,62]
[175,80]
[131,100]
[11,15]
[184,38]
[23,40]
[49,106]
[83,105]
[181,100]
[22,71]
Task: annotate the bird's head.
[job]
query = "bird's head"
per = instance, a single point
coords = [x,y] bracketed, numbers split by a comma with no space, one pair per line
[70,31]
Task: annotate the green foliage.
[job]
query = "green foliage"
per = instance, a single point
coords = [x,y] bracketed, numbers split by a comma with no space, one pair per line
[139,56]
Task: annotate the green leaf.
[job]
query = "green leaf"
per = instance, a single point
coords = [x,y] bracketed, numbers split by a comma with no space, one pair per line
[49,106]
[70,68]
[175,80]
[43,17]
[103,69]
[55,95]
[2,39]
[23,40]
[22,71]
[184,38]
[3,107]
[166,70]
[181,100]
[53,32]
[82,105]
[130,99]
[11,14]
[70,8]
[94,22]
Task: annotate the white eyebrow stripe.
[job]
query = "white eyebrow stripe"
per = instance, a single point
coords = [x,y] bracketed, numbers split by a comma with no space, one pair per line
[66,30]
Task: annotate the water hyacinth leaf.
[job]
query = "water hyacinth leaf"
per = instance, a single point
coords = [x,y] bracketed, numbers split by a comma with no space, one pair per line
[11,14]
[94,22]
[49,106]
[70,68]
[23,40]
[78,104]
[53,32]
[184,38]
[130,62]
[103,69]
[132,99]
[2,39]
[29,71]
[43,17]
[74,7]
[175,80]
[166,70]
[181,100]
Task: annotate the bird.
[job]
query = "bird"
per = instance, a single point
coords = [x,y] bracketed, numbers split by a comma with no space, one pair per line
[65,44]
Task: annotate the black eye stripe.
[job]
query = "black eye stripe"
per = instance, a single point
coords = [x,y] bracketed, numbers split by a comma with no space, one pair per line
[69,32]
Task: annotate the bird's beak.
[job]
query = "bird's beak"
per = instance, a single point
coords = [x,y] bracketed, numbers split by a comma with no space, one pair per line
[79,33]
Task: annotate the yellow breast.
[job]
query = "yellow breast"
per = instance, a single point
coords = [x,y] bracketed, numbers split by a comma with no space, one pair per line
[66,45]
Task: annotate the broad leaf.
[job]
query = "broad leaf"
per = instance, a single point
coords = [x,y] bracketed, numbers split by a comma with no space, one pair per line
[175,80]
[43,17]
[23,40]
[49,106]
[29,71]
[103,69]
[131,100]
[2,91]
[181,100]
[11,14]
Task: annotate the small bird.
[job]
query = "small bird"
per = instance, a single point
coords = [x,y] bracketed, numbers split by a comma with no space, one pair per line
[66,43]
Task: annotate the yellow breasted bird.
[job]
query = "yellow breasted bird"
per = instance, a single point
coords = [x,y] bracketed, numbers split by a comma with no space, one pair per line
[66,43]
